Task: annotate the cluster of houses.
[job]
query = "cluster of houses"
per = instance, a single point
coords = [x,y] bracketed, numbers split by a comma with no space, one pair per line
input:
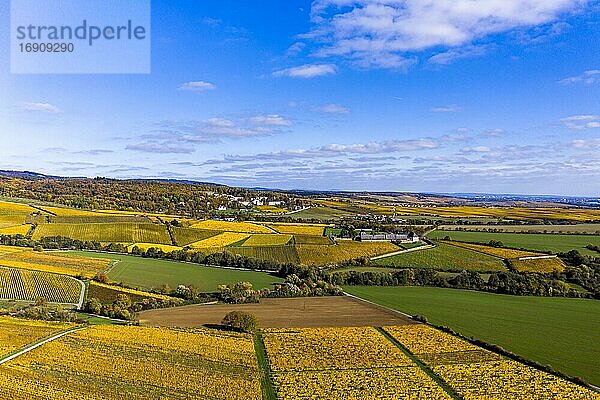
[368,235]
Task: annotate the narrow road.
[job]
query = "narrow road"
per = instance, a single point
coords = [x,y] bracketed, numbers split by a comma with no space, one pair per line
[38,344]
[81,295]
[395,253]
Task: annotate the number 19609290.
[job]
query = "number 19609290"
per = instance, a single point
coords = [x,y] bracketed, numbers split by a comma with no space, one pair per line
[46,47]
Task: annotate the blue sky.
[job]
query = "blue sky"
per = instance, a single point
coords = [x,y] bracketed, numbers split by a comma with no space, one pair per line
[398,95]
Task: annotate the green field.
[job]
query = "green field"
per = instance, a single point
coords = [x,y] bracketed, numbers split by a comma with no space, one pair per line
[530,241]
[150,273]
[111,232]
[591,229]
[561,332]
[444,257]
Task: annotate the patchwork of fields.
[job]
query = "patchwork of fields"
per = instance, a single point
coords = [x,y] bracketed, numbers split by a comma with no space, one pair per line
[529,241]
[20,284]
[519,324]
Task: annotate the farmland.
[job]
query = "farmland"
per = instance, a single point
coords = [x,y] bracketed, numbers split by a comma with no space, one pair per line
[444,257]
[342,251]
[267,240]
[310,312]
[148,273]
[535,242]
[221,240]
[539,265]
[16,284]
[298,229]
[280,254]
[14,214]
[110,362]
[240,227]
[108,293]
[571,323]
[477,373]
[500,252]
[583,229]
[186,236]
[106,232]
[16,333]
[58,263]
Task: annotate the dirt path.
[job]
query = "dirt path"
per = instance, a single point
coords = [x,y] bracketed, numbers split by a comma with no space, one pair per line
[38,344]
[395,253]
[81,295]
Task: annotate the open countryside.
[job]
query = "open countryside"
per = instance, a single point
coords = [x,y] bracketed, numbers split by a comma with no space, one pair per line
[300,200]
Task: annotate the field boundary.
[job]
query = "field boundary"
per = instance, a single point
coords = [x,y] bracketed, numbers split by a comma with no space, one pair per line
[262,358]
[425,368]
[39,343]
[389,310]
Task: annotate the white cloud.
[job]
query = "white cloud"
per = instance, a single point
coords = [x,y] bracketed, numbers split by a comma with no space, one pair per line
[459,53]
[197,86]
[497,132]
[586,144]
[307,71]
[39,107]
[380,33]
[587,78]
[446,109]
[270,120]
[581,121]
[477,149]
[296,49]
[334,109]
[160,148]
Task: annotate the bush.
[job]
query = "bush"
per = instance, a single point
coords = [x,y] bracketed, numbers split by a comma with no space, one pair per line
[241,321]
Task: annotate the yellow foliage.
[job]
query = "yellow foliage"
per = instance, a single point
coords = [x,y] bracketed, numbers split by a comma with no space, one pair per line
[226,226]
[344,250]
[58,263]
[17,333]
[16,230]
[17,284]
[222,240]
[298,229]
[541,265]
[267,240]
[128,362]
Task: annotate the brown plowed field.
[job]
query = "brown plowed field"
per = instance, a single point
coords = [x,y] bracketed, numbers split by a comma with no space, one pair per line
[281,313]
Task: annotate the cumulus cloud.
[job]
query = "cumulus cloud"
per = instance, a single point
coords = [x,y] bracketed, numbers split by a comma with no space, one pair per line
[197,86]
[307,71]
[587,78]
[383,33]
[39,107]
[581,121]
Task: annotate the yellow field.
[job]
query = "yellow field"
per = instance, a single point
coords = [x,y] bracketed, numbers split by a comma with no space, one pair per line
[500,252]
[106,232]
[331,348]
[344,250]
[14,214]
[222,240]
[16,333]
[344,363]
[145,246]
[298,229]
[18,284]
[272,209]
[476,373]
[11,249]
[55,263]
[16,230]
[541,265]
[136,363]
[267,240]
[226,226]
[514,213]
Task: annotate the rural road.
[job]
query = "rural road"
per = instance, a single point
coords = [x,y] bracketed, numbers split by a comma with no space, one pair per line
[36,345]
[81,295]
[395,253]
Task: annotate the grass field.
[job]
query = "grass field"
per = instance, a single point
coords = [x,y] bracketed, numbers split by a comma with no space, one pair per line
[107,233]
[591,229]
[560,332]
[539,242]
[444,257]
[147,274]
